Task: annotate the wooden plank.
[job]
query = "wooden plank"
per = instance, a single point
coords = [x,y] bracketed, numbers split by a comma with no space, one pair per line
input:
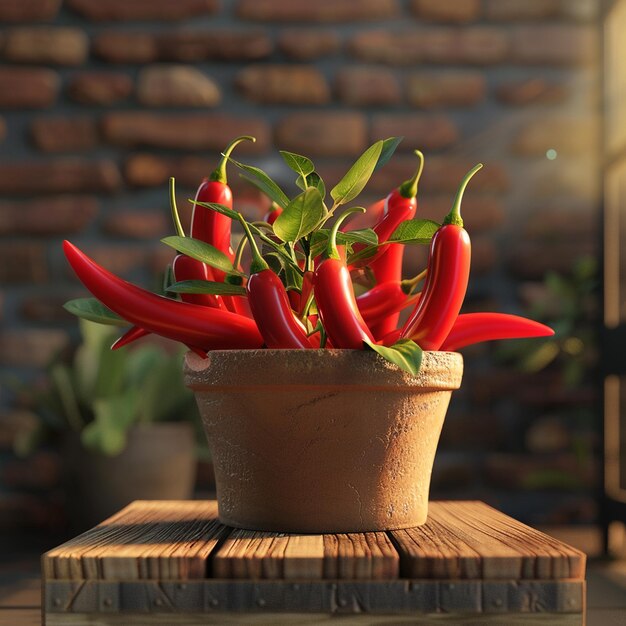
[147,540]
[360,556]
[472,540]
[462,597]
[249,554]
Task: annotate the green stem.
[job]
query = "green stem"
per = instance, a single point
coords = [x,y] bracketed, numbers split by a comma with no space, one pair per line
[239,252]
[408,189]
[258,262]
[275,246]
[409,283]
[331,248]
[174,208]
[219,173]
[454,217]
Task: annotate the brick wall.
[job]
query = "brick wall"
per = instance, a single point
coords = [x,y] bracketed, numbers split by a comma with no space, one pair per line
[100,102]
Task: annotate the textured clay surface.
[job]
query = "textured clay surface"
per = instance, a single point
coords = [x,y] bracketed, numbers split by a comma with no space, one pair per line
[322,441]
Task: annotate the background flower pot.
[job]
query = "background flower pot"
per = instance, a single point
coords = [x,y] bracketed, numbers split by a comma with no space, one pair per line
[158,463]
[321,441]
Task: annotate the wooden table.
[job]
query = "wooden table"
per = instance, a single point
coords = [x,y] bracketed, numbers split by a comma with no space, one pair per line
[174,563]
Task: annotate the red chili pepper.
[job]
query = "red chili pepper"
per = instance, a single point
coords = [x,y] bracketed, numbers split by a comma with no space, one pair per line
[132,334]
[270,304]
[446,281]
[335,298]
[272,215]
[194,325]
[382,300]
[400,205]
[471,328]
[186,268]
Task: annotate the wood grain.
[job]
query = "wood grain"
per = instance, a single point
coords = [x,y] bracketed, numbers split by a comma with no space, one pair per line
[474,541]
[360,556]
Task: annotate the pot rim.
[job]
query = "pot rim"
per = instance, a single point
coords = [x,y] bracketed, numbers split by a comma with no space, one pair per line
[229,369]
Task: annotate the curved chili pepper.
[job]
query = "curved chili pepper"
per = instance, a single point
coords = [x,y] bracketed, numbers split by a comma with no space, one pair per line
[400,205]
[335,298]
[194,325]
[446,281]
[186,268]
[270,304]
[213,227]
[471,328]
[132,334]
[272,215]
[382,300]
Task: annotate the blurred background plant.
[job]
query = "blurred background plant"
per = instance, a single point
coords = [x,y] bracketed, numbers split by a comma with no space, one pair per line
[101,394]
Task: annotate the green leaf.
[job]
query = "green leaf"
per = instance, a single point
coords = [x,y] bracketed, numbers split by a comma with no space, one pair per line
[351,185]
[415,232]
[94,311]
[262,181]
[389,147]
[201,251]
[298,163]
[293,278]
[319,239]
[406,354]
[218,208]
[362,255]
[207,286]
[300,216]
[313,180]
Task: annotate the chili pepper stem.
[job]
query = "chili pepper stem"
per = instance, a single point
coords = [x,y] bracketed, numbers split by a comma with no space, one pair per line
[258,262]
[239,252]
[331,249]
[408,284]
[454,217]
[408,189]
[219,173]
[174,208]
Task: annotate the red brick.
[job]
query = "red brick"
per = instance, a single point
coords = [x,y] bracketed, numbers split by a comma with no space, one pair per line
[362,86]
[573,179]
[565,222]
[532,91]
[185,132]
[59,176]
[47,216]
[46,44]
[565,134]
[42,470]
[48,308]
[557,44]
[3,129]
[122,10]
[436,89]
[283,84]
[427,132]
[146,170]
[28,10]
[100,88]
[218,45]
[515,10]
[308,44]
[322,133]
[64,134]
[137,224]
[319,11]
[27,88]
[23,262]
[473,45]
[441,174]
[176,85]
[458,11]
[119,258]
[182,45]
[31,347]
[123,47]
[532,260]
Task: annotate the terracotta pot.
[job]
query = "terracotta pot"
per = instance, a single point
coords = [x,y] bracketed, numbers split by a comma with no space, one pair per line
[322,441]
[158,463]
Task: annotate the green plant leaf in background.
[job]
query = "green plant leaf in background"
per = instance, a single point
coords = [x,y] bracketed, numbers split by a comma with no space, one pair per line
[351,185]
[300,216]
[207,286]
[312,180]
[319,239]
[201,251]
[94,311]
[406,354]
[414,232]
